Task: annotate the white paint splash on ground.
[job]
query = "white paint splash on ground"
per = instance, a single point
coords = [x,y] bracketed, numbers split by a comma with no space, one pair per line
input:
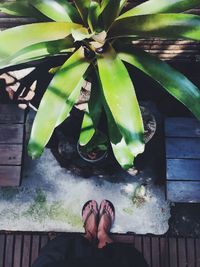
[51,198]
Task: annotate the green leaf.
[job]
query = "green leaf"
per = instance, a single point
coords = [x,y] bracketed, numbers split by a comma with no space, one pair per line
[161,25]
[38,51]
[161,6]
[21,8]
[70,103]
[27,35]
[173,81]
[61,11]
[53,108]
[120,149]
[122,4]
[80,34]
[83,8]
[110,12]
[92,115]
[120,96]
[93,15]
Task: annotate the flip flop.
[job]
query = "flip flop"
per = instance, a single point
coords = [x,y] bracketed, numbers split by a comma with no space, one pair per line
[91,211]
[104,211]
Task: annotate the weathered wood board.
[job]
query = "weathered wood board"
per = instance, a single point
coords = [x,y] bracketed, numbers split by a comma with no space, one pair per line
[182,159]
[11,144]
[22,249]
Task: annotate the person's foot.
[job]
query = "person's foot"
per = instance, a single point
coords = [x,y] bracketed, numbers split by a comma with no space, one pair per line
[90,219]
[106,220]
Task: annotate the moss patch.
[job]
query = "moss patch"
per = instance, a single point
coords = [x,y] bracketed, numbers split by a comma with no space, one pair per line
[40,210]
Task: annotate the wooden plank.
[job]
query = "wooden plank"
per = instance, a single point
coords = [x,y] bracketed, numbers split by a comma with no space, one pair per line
[182,127]
[11,114]
[147,249]
[10,175]
[155,252]
[17,251]
[190,252]
[11,134]
[138,243]
[9,250]
[183,148]
[197,252]
[183,169]
[11,154]
[182,260]
[178,191]
[123,238]
[173,252]
[2,247]
[164,252]
[43,240]
[26,251]
[34,248]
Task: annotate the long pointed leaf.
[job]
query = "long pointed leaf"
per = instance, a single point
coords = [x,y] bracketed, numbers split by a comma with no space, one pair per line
[91,116]
[38,51]
[22,8]
[70,103]
[60,10]
[27,35]
[173,81]
[93,15]
[161,6]
[120,96]
[53,103]
[120,149]
[110,12]
[83,8]
[160,25]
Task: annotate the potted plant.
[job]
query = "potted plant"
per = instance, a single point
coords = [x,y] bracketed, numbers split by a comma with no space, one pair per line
[95,39]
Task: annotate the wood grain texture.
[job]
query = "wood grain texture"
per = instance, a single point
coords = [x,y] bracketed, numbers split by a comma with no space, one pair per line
[10,175]
[11,114]
[35,248]
[173,256]
[147,249]
[182,259]
[171,252]
[155,252]
[9,250]
[183,148]
[182,191]
[164,252]
[11,133]
[26,251]
[197,252]
[2,249]
[182,127]
[183,169]
[17,250]
[11,154]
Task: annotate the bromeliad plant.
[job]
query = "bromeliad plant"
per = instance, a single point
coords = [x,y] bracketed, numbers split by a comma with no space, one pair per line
[95,38]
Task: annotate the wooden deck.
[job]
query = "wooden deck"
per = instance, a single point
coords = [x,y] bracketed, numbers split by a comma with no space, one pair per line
[21,249]
[12,121]
[183,159]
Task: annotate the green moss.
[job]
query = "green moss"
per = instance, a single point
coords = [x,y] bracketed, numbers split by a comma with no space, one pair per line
[40,210]
[128,210]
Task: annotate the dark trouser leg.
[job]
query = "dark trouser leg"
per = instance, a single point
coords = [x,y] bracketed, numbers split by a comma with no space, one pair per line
[121,254]
[55,250]
[63,248]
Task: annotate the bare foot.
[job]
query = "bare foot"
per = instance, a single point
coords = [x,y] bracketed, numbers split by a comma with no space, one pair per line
[90,219]
[107,216]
